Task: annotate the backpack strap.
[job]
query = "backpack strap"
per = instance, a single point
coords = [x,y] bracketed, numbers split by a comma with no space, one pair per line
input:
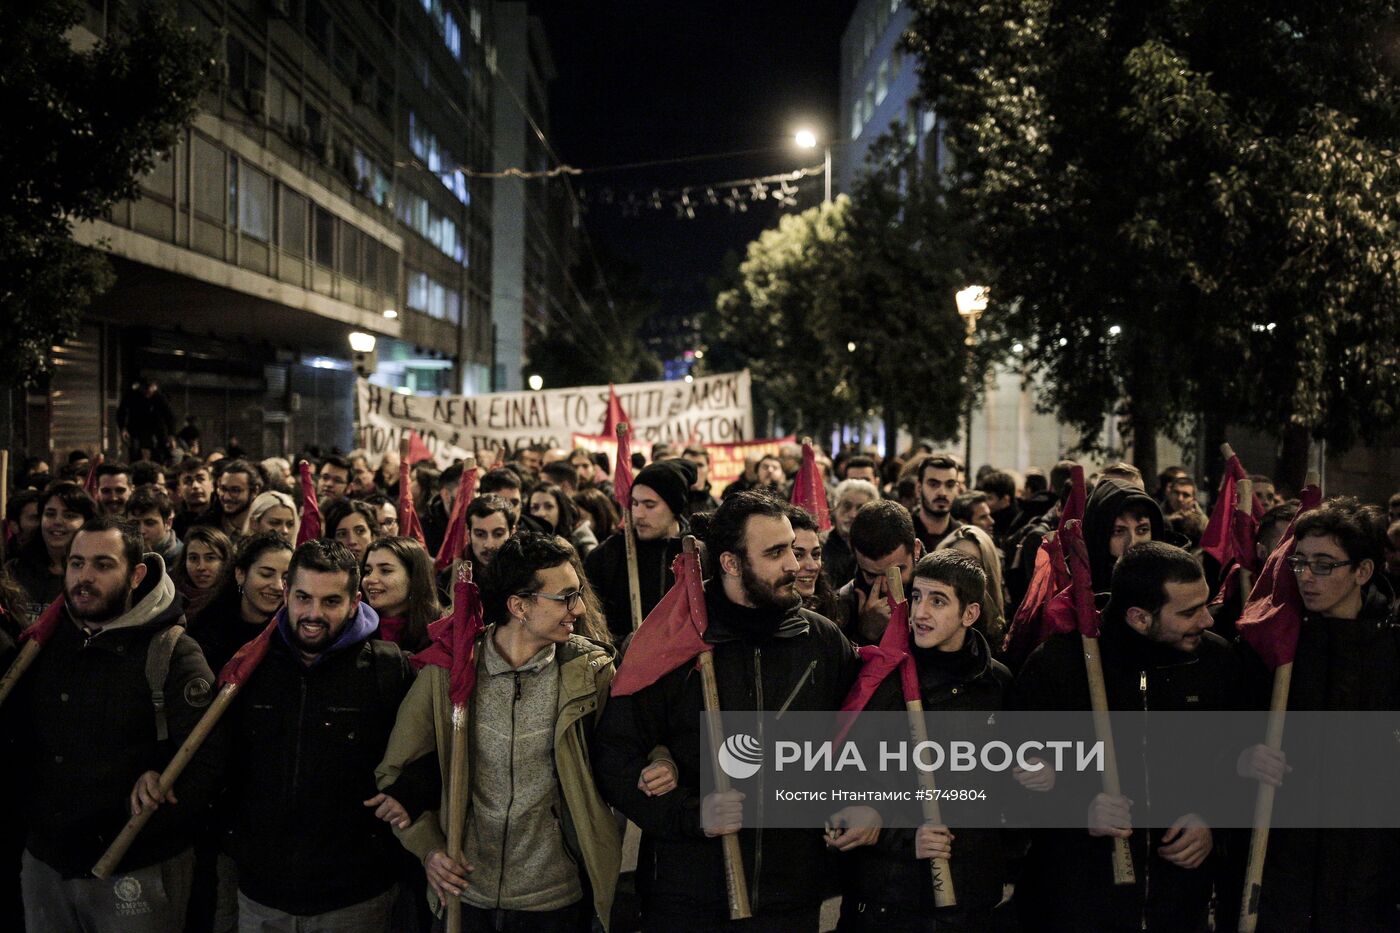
[158,654]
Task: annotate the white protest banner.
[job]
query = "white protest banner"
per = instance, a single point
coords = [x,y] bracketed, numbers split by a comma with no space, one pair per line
[726,460]
[711,409]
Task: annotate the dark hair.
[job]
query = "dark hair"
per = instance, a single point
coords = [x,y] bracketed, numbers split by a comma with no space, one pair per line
[74,498]
[882,527]
[337,461]
[113,469]
[1060,475]
[486,506]
[342,508]
[144,472]
[320,555]
[1124,471]
[498,479]
[190,465]
[997,483]
[1183,481]
[963,505]
[730,522]
[450,476]
[859,461]
[132,545]
[568,515]
[559,472]
[602,513]
[248,552]
[423,606]
[77,456]
[150,498]
[25,497]
[1036,482]
[516,570]
[935,462]
[255,478]
[1141,576]
[962,572]
[694,450]
[1359,529]
[1281,514]
[823,599]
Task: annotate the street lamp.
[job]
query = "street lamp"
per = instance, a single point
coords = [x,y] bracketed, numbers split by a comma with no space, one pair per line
[536,382]
[807,139]
[972,301]
[361,342]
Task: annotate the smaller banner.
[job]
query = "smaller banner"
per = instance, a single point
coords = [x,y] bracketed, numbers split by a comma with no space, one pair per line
[726,460]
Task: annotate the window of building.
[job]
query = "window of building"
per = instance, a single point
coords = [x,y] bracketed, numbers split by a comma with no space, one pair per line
[868,103]
[371,263]
[417,290]
[476,23]
[896,63]
[160,179]
[293,224]
[894,6]
[882,82]
[324,224]
[349,251]
[254,203]
[318,26]
[208,180]
[856,124]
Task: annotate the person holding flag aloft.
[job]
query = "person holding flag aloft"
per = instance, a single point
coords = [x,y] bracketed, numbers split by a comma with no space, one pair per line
[541,850]
[768,654]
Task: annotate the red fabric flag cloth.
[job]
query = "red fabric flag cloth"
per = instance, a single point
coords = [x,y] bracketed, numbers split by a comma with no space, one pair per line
[1039,616]
[454,639]
[1219,538]
[417,450]
[1073,510]
[90,482]
[876,663]
[614,415]
[1081,586]
[1270,621]
[410,525]
[622,472]
[672,634]
[454,543]
[310,527]
[809,492]
[246,659]
[45,625]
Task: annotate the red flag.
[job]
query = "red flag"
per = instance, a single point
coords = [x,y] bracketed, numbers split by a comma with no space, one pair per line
[809,492]
[1073,510]
[90,483]
[876,663]
[1219,538]
[454,639]
[310,528]
[614,415]
[672,634]
[246,659]
[410,526]
[622,472]
[1081,586]
[417,450]
[455,542]
[45,625]
[1270,621]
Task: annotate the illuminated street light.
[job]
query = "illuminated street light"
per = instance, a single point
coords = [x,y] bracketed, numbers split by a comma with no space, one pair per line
[361,342]
[971,302]
[536,382]
[807,139]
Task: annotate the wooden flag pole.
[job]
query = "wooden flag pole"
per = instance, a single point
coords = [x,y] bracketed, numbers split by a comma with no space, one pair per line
[1264,800]
[117,850]
[1123,872]
[28,652]
[735,882]
[943,893]
[629,533]
[1244,503]
[457,781]
[4,498]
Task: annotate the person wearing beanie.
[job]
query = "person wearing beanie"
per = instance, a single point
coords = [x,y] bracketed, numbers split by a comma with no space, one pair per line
[660,493]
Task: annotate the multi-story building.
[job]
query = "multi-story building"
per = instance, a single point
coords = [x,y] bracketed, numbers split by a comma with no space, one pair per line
[326,186]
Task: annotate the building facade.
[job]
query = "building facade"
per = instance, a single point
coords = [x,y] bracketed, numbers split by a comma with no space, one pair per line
[335,179]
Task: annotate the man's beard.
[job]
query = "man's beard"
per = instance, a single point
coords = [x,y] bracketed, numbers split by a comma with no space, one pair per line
[937,512]
[318,643]
[109,609]
[765,595]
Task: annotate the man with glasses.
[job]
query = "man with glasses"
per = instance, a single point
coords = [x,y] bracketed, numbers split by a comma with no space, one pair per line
[541,851]
[238,485]
[1347,658]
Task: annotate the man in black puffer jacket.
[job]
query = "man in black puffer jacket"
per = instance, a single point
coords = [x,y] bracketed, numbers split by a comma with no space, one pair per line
[1157,656]
[768,652]
[310,727]
[89,731]
[887,886]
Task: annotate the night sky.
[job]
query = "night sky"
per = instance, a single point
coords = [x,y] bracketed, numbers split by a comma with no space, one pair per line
[640,81]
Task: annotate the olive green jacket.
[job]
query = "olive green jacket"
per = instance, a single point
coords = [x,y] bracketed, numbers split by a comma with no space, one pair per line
[424,726]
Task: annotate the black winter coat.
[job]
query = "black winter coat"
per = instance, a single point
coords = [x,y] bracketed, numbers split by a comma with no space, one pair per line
[787,869]
[88,731]
[888,874]
[306,743]
[1339,879]
[1067,882]
[606,567]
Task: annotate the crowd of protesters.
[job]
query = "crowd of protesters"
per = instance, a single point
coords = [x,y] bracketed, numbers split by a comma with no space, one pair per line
[319,801]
